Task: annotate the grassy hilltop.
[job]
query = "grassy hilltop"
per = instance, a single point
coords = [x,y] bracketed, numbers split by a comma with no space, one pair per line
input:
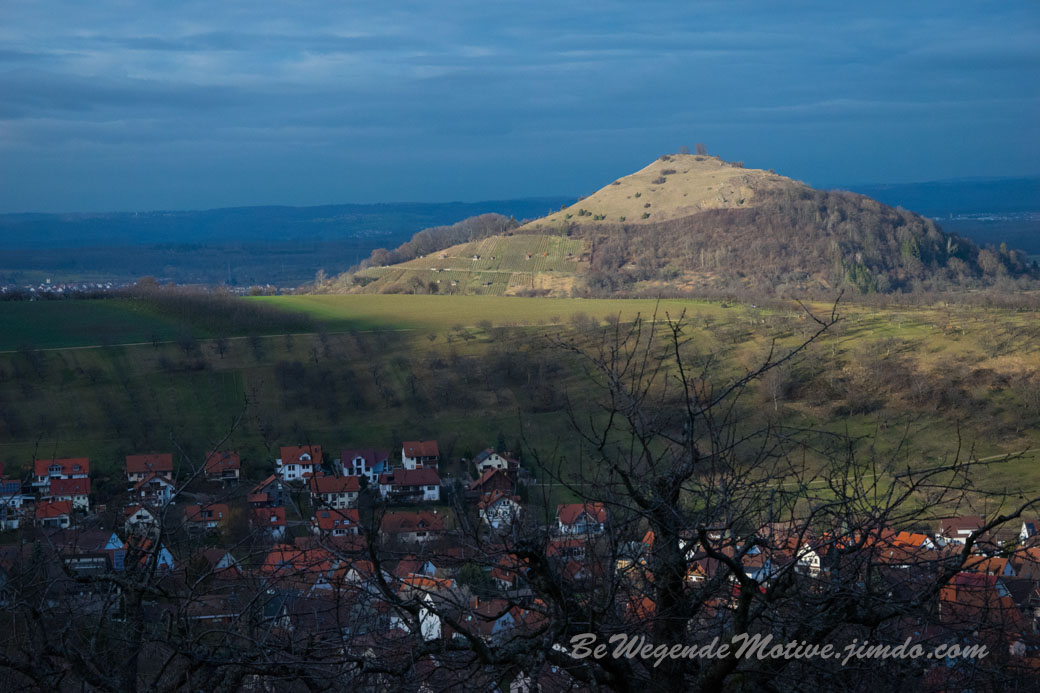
[688,223]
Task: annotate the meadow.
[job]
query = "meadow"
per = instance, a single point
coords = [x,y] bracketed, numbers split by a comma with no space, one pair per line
[371,370]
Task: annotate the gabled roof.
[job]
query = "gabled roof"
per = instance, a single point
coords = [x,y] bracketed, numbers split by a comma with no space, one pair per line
[69,466]
[292,454]
[398,523]
[570,513]
[130,510]
[69,487]
[329,519]
[150,478]
[489,499]
[372,458]
[953,525]
[268,517]
[420,448]
[197,513]
[486,477]
[259,488]
[217,462]
[143,464]
[334,484]
[410,477]
[483,455]
[50,509]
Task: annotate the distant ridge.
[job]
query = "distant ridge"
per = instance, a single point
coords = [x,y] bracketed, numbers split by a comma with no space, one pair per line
[942,198]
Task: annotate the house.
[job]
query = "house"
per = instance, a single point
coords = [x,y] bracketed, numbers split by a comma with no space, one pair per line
[413,526]
[489,459]
[493,479]
[498,510]
[269,493]
[269,521]
[54,514]
[581,518]
[75,490]
[419,454]
[10,493]
[139,520]
[140,466]
[364,463]
[217,562]
[1028,531]
[89,551]
[298,461]
[331,522]
[411,485]
[143,553]
[72,468]
[201,518]
[155,490]
[335,491]
[223,466]
[958,529]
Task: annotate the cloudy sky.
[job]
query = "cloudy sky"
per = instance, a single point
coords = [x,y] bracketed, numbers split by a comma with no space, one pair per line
[124,105]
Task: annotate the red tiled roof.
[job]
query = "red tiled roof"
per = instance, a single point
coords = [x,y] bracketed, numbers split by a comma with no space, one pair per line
[129,510]
[489,499]
[570,513]
[486,477]
[217,462]
[329,519]
[257,498]
[268,517]
[68,466]
[263,484]
[151,477]
[49,509]
[69,487]
[411,477]
[142,464]
[334,484]
[420,448]
[217,512]
[397,523]
[291,454]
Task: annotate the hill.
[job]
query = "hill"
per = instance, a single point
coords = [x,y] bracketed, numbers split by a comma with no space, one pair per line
[688,223]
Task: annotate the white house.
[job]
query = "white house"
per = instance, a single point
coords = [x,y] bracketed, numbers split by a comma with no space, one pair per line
[77,491]
[420,454]
[364,463]
[498,510]
[411,485]
[334,491]
[298,462]
[72,468]
[139,520]
[581,518]
[269,522]
[154,489]
[489,459]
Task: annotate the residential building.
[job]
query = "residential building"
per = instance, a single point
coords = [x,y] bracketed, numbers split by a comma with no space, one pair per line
[364,463]
[200,517]
[411,485]
[581,518]
[334,491]
[70,468]
[413,526]
[223,466]
[489,459]
[331,522]
[75,490]
[298,462]
[140,466]
[154,489]
[499,510]
[269,521]
[420,454]
[56,514]
[269,493]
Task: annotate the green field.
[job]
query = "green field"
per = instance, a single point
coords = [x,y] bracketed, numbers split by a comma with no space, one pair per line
[87,377]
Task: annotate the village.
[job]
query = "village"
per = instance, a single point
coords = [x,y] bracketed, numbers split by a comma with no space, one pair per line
[345,545]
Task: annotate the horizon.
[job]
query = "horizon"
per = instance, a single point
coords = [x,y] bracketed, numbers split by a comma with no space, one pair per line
[200,107]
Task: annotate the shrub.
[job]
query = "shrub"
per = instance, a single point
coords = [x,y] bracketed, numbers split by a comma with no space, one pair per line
[659,180]
[668,172]
[646,205]
[638,194]
[646,215]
